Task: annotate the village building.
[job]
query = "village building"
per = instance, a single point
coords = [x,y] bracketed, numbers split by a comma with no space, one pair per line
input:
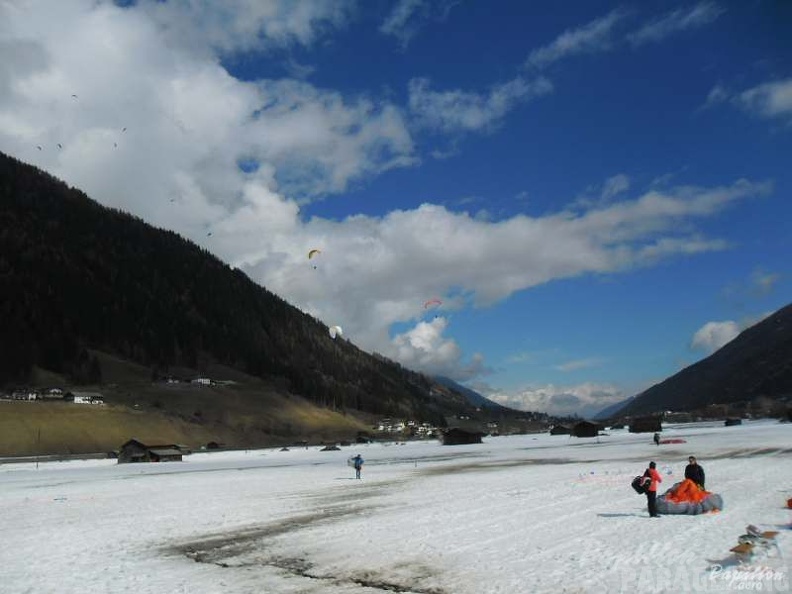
[585,429]
[136,451]
[457,436]
[645,425]
[84,397]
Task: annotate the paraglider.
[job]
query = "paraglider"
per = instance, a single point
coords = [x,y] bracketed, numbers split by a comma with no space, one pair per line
[432,303]
[313,253]
[336,331]
[686,497]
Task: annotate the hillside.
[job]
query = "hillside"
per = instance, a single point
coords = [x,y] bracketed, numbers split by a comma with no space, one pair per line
[756,366]
[81,279]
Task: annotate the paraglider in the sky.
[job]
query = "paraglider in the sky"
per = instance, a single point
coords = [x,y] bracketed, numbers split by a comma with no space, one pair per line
[38,146]
[432,303]
[60,146]
[313,253]
[336,331]
[123,129]
[74,96]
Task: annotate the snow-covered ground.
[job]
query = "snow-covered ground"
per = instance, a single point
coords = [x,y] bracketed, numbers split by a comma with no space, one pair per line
[519,514]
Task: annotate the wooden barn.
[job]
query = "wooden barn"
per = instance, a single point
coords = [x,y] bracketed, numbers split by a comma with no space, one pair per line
[137,451]
[585,429]
[457,436]
[560,430]
[645,425]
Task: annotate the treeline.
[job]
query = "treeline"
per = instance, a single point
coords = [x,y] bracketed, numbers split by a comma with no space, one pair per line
[75,275]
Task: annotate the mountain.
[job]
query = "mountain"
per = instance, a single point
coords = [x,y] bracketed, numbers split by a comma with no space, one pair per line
[472,396]
[752,371]
[612,410]
[85,286]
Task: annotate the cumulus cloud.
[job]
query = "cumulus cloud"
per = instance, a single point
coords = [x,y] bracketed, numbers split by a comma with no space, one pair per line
[584,400]
[676,21]
[595,36]
[159,128]
[713,335]
[463,111]
[408,17]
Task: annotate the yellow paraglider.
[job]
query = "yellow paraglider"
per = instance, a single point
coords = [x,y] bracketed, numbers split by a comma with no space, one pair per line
[313,253]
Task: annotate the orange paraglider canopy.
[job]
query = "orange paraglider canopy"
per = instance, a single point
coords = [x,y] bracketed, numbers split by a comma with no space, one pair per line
[688,491]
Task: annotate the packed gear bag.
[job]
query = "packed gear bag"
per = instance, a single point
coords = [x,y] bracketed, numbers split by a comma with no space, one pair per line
[641,483]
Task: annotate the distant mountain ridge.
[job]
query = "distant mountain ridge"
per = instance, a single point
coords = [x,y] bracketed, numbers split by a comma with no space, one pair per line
[473,397]
[757,364]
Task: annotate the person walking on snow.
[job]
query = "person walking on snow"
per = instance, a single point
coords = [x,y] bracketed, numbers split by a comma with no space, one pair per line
[651,491]
[357,463]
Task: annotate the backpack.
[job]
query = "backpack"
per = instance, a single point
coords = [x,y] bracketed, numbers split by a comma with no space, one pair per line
[641,483]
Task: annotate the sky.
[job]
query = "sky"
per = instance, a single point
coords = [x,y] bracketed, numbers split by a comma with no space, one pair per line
[243,522]
[597,193]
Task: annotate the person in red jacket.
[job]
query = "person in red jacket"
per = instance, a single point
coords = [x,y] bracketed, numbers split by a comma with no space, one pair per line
[651,491]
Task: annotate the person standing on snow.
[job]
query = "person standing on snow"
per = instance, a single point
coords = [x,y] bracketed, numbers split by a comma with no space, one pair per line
[694,472]
[651,491]
[656,439]
[357,463]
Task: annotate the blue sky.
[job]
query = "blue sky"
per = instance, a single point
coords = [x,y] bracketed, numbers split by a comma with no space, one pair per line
[598,192]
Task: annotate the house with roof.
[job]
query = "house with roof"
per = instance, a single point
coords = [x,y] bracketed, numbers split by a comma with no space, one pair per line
[137,451]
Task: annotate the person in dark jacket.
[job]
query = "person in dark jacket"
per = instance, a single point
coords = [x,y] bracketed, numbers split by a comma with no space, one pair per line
[694,472]
[656,439]
[651,491]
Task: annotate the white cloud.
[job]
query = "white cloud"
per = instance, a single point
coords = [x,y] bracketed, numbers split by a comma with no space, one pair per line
[615,185]
[408,17]
[713,335]
[584,400]
[676,21]
[592,37]
[769,100]
[244,25]
[463,111]
[189,123]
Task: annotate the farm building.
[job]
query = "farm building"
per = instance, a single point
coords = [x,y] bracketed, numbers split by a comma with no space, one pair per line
[585,429]
[136,451]
[732,422]
[457,436]
[560,430]
[645,425]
